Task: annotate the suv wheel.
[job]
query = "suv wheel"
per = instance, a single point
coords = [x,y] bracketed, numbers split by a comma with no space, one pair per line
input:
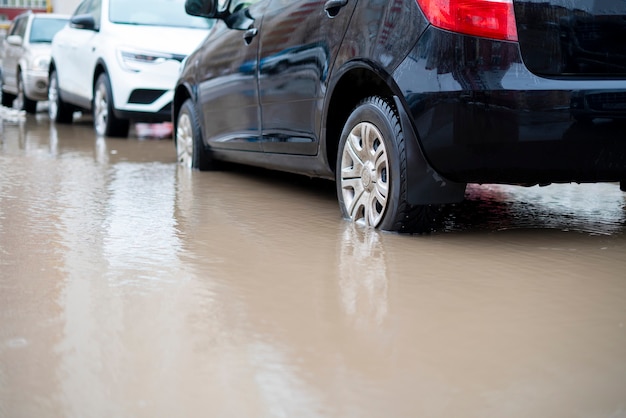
[23,102]
[190,149]
[372,172]
[7,98]
[58,110]
[104,120]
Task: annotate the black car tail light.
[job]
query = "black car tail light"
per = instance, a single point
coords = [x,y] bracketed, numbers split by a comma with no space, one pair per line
[485,18]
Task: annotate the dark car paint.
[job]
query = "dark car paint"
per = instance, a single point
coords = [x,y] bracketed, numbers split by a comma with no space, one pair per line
[507,124]
[292,94]
[227,86]
[473,109]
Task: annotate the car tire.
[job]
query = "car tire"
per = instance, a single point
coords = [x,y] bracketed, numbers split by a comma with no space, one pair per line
[190,149]
[371,174]
[7,98]
[58,110]
[104,120]
[26,104]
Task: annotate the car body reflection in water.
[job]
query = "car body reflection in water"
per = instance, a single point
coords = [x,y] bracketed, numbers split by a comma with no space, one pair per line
[362,277]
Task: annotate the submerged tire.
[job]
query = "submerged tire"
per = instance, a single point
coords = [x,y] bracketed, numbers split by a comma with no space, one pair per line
[58,110]
[7,98]
[25,104]
[105,122]
[371,172]
[190,149]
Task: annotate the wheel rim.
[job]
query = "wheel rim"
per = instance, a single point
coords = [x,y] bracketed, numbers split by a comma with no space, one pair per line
[101,109]
[53,95]
[365,175]
[184,140]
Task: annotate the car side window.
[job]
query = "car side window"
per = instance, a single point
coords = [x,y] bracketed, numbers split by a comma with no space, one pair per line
[19,27]
[90,7]
[13,27]
[95,9]
[82,8]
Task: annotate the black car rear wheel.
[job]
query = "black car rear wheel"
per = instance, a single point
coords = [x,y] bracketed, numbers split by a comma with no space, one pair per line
[190,149]
[372,172]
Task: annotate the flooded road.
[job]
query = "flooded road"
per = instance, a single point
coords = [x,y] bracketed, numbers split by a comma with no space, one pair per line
[132,288]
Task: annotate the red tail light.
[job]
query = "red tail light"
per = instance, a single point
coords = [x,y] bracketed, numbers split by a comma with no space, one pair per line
[485,18]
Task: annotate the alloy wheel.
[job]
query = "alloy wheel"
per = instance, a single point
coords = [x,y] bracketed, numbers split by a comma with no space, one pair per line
[53,97]
[364,175]
[19,99]
[184,140]
[100,109]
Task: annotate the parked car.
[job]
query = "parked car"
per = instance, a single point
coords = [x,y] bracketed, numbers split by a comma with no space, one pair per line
[25,58]
[404,102]
[119,59]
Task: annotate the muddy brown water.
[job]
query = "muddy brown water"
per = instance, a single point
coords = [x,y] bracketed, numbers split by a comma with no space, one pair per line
[130,287]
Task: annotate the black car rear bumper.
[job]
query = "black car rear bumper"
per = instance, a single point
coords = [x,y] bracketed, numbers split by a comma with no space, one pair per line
[482,117]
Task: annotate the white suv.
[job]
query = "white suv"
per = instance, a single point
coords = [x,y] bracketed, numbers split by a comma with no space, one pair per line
[120,60]
[25,57]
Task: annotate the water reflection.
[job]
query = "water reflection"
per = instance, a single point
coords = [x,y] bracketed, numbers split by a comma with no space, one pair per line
[132,287]
[54,140]
[362,276]
[101,151]
[139,228]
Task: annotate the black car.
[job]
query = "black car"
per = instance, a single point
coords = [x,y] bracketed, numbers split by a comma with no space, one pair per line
[404,102]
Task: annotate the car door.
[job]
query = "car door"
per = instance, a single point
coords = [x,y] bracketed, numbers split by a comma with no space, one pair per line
[299,43]
[12,53]
[76,44]
[228,82]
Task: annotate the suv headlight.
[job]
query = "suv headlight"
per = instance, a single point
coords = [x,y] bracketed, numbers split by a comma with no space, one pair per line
[40,63]
[135,60]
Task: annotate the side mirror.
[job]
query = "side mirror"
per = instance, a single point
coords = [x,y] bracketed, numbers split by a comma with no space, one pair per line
[83,22]
[15,40]
[211,9]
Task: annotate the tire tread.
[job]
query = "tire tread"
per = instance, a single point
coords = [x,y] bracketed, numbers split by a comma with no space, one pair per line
[408,218]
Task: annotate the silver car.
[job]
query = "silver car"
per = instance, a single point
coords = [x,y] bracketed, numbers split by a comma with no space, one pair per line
[25,58]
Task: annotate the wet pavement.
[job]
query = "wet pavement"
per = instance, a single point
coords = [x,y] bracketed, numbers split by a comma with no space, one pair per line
[130,287]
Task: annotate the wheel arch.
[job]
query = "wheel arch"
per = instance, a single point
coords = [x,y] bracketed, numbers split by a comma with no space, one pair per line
[18,75]
[21,64]
[182,92]
[358,81]
[51,67]
[100,68]
[361,80]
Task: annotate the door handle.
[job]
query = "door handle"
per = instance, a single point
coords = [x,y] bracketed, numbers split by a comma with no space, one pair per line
[332,7]
[249,34]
